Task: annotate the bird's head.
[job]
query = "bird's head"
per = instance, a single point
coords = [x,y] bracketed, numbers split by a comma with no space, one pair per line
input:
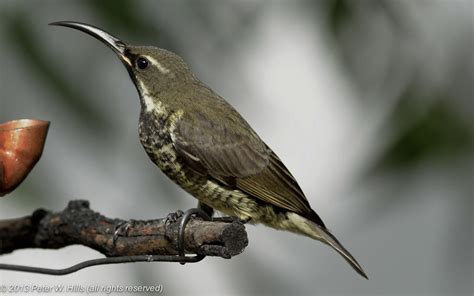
[154,71]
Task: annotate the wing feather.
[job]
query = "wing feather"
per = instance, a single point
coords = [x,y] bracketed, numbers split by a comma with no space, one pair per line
[223,146]
[277,186]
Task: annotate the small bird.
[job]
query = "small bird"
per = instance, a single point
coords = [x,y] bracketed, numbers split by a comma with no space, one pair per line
[205,146]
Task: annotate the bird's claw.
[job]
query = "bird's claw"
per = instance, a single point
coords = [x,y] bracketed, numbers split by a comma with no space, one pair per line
[173,217]
[121,229]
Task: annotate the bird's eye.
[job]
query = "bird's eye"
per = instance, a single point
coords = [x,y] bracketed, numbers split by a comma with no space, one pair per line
[142,63]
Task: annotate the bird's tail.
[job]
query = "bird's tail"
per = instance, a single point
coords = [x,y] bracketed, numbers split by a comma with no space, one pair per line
[304,226]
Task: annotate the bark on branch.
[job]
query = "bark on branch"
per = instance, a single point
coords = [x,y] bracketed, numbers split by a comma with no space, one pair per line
[78,224]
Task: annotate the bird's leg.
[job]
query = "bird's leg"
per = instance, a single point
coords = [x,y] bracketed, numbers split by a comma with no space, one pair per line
[210,211]
[230,219]
[121,229]
[206,209]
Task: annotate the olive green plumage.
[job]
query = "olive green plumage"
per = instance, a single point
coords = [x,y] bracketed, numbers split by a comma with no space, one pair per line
[203,144]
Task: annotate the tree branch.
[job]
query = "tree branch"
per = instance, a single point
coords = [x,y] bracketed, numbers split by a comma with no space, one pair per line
[78,224]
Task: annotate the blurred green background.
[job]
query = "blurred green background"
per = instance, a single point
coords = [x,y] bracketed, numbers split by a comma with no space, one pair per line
[369,103]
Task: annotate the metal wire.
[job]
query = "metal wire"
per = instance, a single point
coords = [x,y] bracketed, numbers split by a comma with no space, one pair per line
[182,226]
[103,261]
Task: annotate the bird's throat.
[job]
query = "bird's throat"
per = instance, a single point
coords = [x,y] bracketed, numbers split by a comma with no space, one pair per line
[149,102]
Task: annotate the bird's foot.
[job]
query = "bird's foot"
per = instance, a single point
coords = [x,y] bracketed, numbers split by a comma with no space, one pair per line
[173,217]
[122,228]
[230,219]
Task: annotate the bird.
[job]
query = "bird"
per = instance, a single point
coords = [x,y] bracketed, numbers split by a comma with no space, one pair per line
[206,147]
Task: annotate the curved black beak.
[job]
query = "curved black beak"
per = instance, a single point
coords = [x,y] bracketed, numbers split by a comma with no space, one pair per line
[114,43]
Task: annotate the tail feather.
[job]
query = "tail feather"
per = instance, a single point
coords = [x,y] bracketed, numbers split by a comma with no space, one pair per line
[329,239]
[317,232]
